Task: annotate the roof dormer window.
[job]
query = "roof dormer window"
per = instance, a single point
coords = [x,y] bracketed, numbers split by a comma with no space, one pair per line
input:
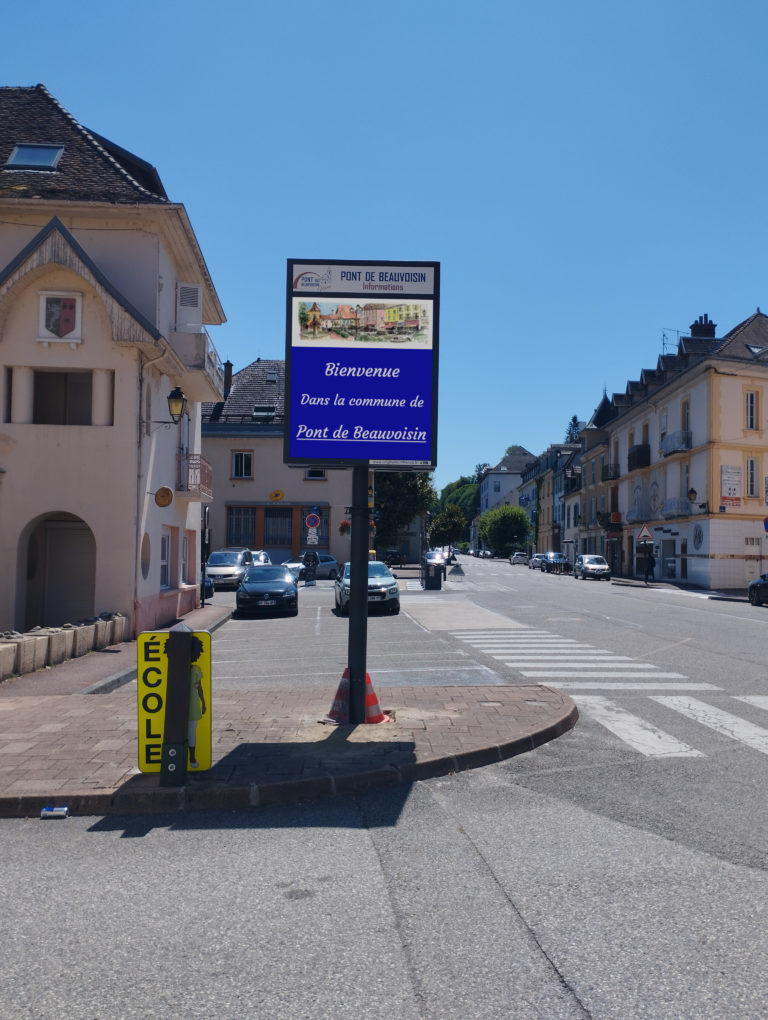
[34,157]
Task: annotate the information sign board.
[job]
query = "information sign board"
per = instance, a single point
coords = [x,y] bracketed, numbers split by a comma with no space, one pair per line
[361,364]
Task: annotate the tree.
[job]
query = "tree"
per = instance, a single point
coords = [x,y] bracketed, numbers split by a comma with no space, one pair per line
[399,497]
[573,431]
[479,468]
[448,526]
[504,529]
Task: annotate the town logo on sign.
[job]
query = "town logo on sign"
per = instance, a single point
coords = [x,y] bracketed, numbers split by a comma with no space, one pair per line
[313,281]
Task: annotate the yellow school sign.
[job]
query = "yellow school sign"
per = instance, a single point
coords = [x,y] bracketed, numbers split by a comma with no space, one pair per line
[152,695]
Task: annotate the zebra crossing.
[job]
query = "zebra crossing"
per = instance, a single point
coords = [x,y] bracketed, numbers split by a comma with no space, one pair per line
[579,667]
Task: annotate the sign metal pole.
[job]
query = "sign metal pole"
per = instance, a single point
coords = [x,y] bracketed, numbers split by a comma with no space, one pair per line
[357,643]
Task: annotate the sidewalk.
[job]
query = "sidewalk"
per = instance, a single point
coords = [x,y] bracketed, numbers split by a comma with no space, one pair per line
[68,737]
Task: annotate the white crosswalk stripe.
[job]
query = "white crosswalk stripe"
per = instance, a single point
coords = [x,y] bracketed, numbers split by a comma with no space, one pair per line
[653,742]
[536,653]
[634,731]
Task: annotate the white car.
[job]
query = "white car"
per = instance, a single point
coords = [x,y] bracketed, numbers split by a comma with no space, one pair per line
[518,557]
[383,589]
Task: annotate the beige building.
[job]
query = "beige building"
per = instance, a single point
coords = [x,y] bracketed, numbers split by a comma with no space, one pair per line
[103,298]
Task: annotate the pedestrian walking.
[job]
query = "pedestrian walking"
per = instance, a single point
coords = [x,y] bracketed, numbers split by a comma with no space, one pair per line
[650,563]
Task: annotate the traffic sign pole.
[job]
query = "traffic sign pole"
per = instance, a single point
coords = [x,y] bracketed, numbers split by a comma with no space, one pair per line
[357,641]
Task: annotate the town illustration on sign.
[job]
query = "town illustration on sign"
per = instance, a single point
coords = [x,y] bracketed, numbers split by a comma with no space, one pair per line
[377,323]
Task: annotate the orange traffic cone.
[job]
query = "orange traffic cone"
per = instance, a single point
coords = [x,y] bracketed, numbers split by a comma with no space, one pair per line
[373,712]
[339,713]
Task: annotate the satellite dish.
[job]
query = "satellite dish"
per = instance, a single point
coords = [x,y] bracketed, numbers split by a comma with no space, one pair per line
[276,495]
[164,496]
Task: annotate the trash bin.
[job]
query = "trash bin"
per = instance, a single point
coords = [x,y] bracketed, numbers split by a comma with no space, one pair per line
[433,576]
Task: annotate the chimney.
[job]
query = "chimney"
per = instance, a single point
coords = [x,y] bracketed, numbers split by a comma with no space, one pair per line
[703,328]
[227,378]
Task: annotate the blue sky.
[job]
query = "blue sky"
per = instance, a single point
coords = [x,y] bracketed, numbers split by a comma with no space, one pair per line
[590,176]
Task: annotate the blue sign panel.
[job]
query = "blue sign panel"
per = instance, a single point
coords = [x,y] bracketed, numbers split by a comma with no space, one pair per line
[361,364]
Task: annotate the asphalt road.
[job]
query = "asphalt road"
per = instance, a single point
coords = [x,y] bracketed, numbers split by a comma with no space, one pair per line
[618,872]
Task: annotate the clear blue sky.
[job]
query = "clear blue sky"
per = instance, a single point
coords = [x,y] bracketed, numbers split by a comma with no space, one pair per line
[591,176]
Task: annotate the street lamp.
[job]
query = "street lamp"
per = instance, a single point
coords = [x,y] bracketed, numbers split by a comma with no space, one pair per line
[177,404]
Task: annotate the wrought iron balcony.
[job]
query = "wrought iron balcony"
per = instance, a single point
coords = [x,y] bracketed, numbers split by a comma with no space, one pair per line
[677,506]
[639,513]
[675,442]
[204,375]
[195,478]
[611,472]
[639,456]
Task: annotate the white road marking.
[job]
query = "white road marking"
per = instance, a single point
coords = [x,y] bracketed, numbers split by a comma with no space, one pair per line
[716,719]
[634,731]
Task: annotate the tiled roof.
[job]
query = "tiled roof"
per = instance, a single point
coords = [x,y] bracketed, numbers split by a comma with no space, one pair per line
[91,168]
[257,387]
[752,331]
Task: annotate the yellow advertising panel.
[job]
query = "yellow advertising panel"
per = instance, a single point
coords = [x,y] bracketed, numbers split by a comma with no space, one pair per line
[152,694]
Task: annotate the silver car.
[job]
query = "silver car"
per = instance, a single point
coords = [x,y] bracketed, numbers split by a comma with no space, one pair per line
[590,565]
[227,567]
[383,589]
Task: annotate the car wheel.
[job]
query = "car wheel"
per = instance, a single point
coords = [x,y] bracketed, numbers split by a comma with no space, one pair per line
[344,610]
[394,610]
[754,598]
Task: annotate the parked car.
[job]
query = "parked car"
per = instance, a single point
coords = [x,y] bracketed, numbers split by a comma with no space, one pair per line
[556,563]
[227,567]
[206,588]
[588,565]
[518,557]
[267,588]
[259,556]
[486,554]
[327,567]
[535,562]
[392,557]
[757,593]
[383,590]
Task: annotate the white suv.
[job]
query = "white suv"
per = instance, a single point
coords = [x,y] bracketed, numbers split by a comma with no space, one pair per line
[518,557]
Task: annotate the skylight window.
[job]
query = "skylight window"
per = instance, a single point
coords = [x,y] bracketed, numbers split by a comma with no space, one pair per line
[34,157]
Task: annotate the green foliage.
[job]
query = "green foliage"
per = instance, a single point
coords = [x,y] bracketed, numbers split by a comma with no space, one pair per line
[400,496]
[451,487]
[572,432]
[303,314]
[447,527]
[479,468]
[504,529]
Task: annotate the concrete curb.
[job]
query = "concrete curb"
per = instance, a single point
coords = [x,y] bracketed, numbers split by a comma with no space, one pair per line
[199,795]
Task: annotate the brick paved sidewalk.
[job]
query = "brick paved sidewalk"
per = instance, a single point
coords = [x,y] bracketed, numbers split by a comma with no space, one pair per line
[268,746]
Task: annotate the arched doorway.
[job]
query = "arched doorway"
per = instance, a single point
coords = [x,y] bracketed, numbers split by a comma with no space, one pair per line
[59,552]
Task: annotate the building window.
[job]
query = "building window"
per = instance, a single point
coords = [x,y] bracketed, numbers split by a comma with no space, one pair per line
[60,318]
[278,527]
[752,476]
[241,525]
[685,416]
[185,559]
[314,475]
[34,157]
[662,424]
[165,560]
[750,410]
[242,464]
[497,485]
[593,471]
[62,398]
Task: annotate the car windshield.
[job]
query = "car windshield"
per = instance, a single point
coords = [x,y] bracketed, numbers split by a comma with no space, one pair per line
[267,573]
[224,559]
[375,569]
[597,560]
